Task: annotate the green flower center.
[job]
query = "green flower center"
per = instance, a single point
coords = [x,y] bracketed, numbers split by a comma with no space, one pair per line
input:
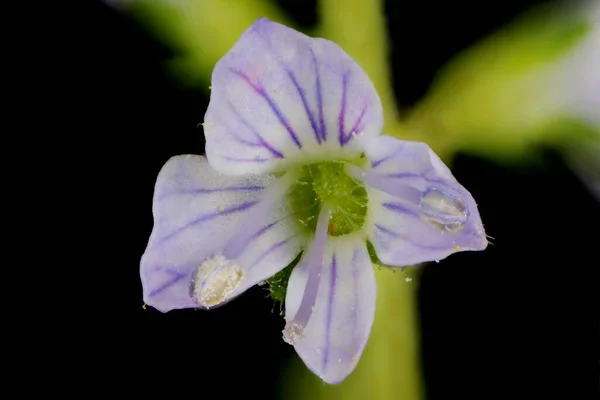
[328,183]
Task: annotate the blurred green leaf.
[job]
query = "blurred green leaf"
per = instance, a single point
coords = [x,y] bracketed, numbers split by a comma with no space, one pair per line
[201,31]
[495,98]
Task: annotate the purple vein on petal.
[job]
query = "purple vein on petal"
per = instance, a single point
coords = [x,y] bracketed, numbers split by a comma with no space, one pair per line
[389,232]
[265,228]
[299,89]
[256,160]
[399,208]
[241,140]
[270,250]
[257,135]
[342,115]
[208,217]
[302,95]
[355,129]
[261,92]
[232,132]
[329,317]
[262,230]
[238,139]
[355,280]
[403,175]
[396,207]
[423,176]
[211,191]
[376,163]
[323,129]
[176,278]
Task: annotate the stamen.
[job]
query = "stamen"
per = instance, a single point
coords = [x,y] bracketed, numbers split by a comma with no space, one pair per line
[294,329]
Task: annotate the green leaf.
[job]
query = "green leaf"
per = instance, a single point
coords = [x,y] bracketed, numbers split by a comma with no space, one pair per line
[495,98]
[201,31]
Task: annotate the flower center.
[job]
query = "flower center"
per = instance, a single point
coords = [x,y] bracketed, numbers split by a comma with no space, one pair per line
[328,183]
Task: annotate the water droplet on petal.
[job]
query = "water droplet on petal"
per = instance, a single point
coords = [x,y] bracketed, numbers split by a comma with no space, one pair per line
[442,210]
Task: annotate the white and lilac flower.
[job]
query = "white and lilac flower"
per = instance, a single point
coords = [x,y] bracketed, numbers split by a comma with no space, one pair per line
[295,166]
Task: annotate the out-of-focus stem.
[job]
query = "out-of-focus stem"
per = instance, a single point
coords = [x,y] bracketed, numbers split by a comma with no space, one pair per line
[359,27]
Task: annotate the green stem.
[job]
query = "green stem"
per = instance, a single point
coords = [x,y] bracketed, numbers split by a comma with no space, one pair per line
[359,27]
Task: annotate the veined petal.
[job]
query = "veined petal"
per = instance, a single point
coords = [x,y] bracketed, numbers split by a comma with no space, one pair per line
[419,211]
[339,327]
[206,226]
[273,242]
[278,93]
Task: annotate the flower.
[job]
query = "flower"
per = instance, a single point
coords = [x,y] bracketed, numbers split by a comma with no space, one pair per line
[295,164]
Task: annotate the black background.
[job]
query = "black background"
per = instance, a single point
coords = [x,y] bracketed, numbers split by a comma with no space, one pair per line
[506,322]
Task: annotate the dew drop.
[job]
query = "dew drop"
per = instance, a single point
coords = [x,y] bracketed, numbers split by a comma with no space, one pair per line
[442,210]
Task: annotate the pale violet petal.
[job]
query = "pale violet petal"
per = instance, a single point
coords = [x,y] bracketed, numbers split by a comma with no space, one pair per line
[197,214]
[279,95]
[336,333]
[409,187]
[272,246]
